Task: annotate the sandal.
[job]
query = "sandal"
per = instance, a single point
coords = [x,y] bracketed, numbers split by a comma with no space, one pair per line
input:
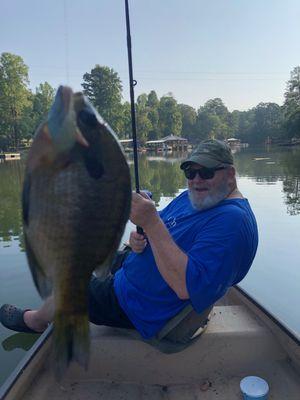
[12,318]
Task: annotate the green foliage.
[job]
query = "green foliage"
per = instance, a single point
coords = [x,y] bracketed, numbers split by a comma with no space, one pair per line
[42,101]
[15,99]
[21,111]
[213,120]
[153,115]
[143,123]
[170,122]
[189,118]
[257,124]
[126,128]
[153,101]
[292,104]
[103,87]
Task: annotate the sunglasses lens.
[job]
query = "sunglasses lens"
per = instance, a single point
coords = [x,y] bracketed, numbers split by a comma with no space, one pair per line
[207,173]
[190,173]
[204,173]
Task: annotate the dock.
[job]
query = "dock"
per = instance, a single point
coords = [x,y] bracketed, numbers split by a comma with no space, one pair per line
[10,156]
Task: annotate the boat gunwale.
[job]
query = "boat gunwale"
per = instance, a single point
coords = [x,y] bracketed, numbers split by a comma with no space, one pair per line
[25,361]
[268,314]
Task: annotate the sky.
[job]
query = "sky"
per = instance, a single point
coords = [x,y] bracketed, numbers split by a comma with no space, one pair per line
[239,50]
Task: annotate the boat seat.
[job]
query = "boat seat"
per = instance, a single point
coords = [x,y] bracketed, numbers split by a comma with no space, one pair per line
[181,330]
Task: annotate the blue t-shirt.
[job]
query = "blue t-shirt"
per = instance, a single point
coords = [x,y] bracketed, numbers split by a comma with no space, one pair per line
[220,243]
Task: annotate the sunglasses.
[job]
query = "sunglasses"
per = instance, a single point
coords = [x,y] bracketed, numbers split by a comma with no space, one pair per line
[204,173]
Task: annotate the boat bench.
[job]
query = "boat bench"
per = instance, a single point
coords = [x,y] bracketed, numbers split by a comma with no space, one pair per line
[234,340]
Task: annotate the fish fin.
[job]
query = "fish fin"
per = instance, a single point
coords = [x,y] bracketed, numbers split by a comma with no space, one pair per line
[41,281]
[71,341]
[103,270]
[25,199]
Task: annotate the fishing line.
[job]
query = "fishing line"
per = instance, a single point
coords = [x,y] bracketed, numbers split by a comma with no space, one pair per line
[66,41]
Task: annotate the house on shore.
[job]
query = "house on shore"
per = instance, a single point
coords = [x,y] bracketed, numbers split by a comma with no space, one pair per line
[233,142]
[168,144]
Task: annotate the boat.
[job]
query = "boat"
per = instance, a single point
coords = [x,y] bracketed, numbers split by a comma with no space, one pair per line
[242,339]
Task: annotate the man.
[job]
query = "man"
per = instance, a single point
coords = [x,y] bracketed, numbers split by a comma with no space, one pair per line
[201,244]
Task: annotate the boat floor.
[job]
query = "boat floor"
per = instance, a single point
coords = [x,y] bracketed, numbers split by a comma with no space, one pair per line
[282,381]
[238,342]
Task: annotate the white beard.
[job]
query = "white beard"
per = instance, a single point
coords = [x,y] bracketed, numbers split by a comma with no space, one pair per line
[211,199]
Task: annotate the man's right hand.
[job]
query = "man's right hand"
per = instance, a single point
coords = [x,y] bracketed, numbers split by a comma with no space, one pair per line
[137,242]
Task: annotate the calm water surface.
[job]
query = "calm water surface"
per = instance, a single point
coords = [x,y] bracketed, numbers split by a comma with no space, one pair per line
[268,177]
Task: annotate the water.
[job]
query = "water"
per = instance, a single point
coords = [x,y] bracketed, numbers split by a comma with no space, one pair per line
[269,178]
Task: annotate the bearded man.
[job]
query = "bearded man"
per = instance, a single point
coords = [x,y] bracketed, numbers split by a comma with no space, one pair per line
[191,252]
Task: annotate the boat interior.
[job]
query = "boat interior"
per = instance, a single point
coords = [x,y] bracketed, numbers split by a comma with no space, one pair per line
[240,340]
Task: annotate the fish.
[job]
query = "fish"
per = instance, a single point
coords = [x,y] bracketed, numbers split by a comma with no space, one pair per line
[76,202]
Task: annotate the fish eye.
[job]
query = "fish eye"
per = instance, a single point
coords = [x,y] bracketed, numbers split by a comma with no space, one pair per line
[87,117]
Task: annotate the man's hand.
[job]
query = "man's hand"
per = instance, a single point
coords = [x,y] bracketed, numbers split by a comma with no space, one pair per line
[143,211]
[137,242]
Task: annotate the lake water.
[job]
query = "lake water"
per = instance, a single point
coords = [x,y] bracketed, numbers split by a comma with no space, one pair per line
[268,177]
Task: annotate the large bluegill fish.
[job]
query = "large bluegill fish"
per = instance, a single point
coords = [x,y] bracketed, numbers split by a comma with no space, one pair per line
[76,202]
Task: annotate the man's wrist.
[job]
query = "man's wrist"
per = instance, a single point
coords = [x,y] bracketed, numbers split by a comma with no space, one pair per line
[153,225]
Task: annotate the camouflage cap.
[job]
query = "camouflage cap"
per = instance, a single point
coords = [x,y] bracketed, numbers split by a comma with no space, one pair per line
[210,154]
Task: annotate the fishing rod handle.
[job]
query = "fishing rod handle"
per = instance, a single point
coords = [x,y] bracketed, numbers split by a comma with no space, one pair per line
[139,229]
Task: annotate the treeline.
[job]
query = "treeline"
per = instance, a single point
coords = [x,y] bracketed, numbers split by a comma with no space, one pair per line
[21,110]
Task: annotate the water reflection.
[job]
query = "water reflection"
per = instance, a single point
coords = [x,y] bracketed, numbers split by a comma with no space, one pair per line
[22,341]
[272,164]
[291,189]
[11,176]
[163,177]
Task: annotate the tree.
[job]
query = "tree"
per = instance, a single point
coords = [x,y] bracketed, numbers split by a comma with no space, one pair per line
[213,120]
[169,116]
[188,117]
[144,125]
[216,107]
[292,104]
[15,98]
[126,128]
[42,100]
[266,123]
[153,116]
[152,101]
[207,124]
[103,87]
[245,124]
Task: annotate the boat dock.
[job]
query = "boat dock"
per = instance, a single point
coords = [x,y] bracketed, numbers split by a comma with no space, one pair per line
[10,156]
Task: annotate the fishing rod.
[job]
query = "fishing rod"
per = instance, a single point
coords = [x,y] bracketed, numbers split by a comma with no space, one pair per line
[132,84]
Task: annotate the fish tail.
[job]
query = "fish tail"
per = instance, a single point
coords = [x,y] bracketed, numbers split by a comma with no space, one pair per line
[71,340]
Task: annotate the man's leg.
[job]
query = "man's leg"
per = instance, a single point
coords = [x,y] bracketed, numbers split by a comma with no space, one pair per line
[103,305]
[103,309]
[38,320]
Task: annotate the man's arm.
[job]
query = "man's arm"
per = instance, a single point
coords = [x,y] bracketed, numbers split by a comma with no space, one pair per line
[171,261]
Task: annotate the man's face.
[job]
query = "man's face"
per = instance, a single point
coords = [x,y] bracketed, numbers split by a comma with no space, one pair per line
[206,193]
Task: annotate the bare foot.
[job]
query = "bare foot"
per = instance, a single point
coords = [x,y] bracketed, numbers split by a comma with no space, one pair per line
[34,322]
